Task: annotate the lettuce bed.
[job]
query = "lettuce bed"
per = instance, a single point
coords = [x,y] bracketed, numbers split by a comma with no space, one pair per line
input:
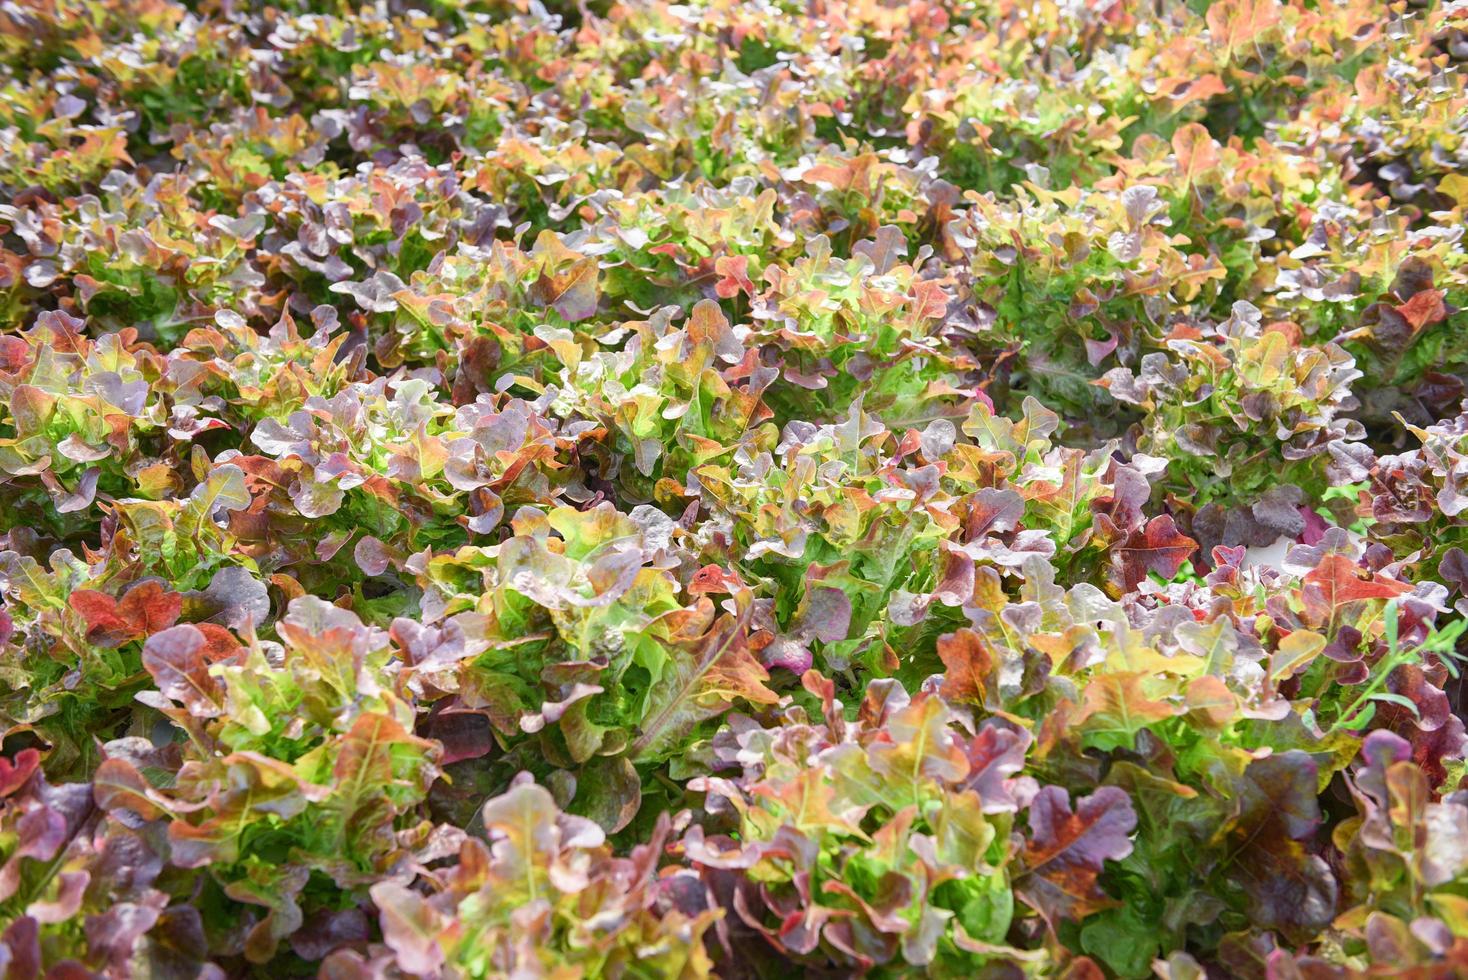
[740,488]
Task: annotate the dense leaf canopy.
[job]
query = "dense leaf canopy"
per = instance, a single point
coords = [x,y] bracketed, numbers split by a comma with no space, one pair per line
[743,489]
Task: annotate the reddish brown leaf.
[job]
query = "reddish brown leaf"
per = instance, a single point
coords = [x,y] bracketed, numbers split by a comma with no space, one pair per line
[969,674]
[179,659]
[14,773]
[150,608]
[1067,850]
[1424,309]
[568,280]
[1233,24]
[1196,150]
[118,785]
[1158,547]
[1340,581]
[145,609]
